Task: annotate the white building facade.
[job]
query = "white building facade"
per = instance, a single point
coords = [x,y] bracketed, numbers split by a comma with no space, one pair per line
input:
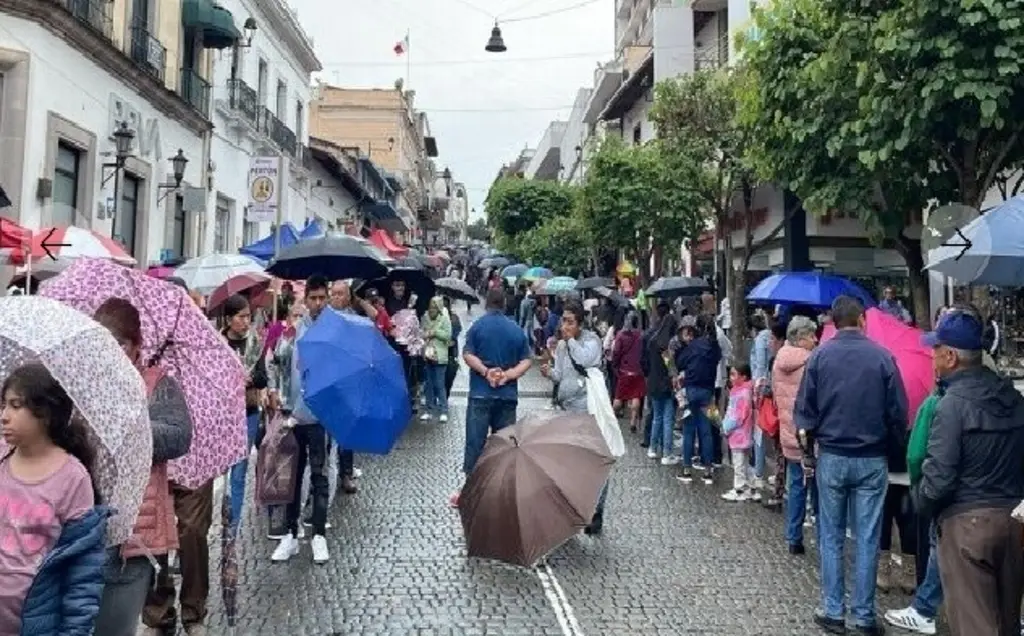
[261,95]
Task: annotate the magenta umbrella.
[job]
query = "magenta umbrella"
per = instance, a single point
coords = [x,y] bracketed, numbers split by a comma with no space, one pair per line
[178,337]
[160,271]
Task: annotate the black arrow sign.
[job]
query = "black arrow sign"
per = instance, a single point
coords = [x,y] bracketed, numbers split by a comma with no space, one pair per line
[48,243]
[966,245]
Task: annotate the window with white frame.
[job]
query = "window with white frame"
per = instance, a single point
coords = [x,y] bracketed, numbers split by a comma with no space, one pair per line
[66,176]
[222,227]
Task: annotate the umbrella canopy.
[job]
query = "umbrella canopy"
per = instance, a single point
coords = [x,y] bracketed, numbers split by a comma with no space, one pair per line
[613,296]
[160,271]
[443,255]
[556,285]
[333,255]
[354,383]
[537,273]
[677,286]
[456,288]
[263,249]
[495,261]
[252,284]
[904,343]
[75,242]
[416,281]
[77,351]
[313,229]
[625,268]
[177,336]
[988,251]
[411,262]
[594,282]
[514,271]
[206,273]
[806,288]
[534,487]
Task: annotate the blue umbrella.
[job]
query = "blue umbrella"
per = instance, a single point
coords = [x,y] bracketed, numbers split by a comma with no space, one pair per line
[354,383]
[987,251]
[514,271]
[557,285]
[806,288]
[537,273]
[313,229]
[263,249]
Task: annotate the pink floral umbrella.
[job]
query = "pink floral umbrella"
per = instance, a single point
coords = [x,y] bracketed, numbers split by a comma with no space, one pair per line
[904,343]
[177,336]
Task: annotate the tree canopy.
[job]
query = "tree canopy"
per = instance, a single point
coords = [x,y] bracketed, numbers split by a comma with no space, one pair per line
[516,205]
[561,243]
[478,230]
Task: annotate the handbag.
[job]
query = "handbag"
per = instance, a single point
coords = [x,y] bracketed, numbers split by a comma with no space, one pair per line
[768,416]
[277,464]
[430,353]
[599,404]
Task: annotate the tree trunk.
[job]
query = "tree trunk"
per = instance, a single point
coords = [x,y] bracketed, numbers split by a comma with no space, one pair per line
[920,292]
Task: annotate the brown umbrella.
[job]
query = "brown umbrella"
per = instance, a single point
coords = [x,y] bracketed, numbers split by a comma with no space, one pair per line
[535,486]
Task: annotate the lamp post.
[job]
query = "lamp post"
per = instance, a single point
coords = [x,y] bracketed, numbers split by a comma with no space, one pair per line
[123,138]
[178,163]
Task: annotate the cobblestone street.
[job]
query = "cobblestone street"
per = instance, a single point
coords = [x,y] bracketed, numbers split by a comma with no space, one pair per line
[674,559]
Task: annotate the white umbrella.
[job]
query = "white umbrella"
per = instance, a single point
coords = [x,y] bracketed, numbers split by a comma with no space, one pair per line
[107,390]
[206,273]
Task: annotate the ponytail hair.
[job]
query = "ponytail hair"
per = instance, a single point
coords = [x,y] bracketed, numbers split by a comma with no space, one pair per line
[47,400]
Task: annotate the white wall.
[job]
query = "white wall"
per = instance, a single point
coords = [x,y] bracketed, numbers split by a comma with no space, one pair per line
[576,133]
[64,81]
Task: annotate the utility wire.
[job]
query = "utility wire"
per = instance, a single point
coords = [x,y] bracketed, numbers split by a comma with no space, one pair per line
[602,55]
[546,14]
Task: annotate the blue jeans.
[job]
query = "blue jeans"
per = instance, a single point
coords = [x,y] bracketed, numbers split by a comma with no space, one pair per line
[484,416]
[698,399]
[797,492]
[663,419]
[862,480]
[759,452]
[433,387]
[241,469]
[928,596]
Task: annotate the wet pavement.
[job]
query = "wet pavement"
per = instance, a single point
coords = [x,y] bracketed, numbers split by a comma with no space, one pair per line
[674,559]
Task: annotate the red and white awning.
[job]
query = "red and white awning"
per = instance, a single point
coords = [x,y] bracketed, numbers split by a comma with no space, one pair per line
[76,242]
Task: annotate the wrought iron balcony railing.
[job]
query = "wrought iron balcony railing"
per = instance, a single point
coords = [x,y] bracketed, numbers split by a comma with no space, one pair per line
[195,90]
[94,14]
[147,51]
[279,133]
[245,100]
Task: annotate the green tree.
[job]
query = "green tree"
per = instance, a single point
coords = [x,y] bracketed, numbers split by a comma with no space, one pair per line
[559,243]
[696,119]
[634,199]
[515,205]
[478,230]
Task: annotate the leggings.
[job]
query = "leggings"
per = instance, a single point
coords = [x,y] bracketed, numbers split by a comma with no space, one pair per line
[897,508]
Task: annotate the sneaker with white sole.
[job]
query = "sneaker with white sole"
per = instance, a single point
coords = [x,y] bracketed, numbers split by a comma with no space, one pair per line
[425,417]
[357,473]
[669,460]
[910,620]
[286,549]
[320,553]
[652,454]
[735,495]
[443,418]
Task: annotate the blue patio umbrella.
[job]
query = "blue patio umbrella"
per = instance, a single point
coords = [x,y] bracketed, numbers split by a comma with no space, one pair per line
[354,383]
[806,288]
[263,249]
[987,251]
[514,271]
[313,229]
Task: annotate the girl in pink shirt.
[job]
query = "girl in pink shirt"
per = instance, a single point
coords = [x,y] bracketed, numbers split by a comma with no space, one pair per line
[51,530]
[738,428]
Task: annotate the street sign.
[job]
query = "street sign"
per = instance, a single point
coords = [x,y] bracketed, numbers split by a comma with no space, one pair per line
[264,189]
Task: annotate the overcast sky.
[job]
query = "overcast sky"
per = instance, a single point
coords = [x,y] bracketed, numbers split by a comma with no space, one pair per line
[483,107]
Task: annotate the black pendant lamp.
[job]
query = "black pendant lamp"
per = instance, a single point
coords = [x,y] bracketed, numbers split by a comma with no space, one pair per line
[496,44]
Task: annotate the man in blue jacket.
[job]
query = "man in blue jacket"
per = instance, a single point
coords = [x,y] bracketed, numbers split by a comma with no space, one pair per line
[852,403]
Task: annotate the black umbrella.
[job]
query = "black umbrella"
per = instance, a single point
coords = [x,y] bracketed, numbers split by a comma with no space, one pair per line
[494,261]
[456,288]
[416,281]
[613,296]
[594,282]
[672,286]
[410,262]
[333,255]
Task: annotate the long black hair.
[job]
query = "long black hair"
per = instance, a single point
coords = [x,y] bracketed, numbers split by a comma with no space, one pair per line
[47,400]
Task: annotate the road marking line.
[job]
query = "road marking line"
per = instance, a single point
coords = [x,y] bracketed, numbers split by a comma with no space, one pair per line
[559,601]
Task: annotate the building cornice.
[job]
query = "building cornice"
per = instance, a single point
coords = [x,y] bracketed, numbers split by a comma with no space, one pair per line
[285,24]
[52,16]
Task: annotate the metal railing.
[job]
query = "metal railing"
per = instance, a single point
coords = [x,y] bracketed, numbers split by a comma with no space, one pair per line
[147,51]
[245,100]
[279,133]
[94,14]
[195,90]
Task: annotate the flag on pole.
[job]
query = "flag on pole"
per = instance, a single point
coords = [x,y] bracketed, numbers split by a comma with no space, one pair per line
[402,46]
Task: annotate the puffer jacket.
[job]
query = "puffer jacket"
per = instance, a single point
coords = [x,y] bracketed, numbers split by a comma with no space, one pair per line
[787,372]
[65,595]
[156,530]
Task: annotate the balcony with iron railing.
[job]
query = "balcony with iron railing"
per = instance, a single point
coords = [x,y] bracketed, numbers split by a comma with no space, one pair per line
[244,100]
[195,90]
[94,14]
[147,52]
[278,132]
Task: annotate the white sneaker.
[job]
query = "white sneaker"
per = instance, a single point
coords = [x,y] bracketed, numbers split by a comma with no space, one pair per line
[758,484]
[669,460]
[424,417]
[771,480]
[286,549]
[735,495]
[320,553]
[652,454]
[443,418]
[357,473]
[754,495]
[911,620]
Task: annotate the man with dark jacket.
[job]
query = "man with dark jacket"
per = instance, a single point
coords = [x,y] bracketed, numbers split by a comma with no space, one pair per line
[659,384]
[972,478]
[698,364]
[851,402]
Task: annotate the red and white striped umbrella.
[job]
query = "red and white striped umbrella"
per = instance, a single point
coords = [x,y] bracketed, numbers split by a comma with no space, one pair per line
[76,242]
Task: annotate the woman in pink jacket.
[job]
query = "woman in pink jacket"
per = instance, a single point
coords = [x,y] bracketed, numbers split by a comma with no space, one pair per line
[787,372]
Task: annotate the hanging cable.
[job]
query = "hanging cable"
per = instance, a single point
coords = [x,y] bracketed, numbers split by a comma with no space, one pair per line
[550,13]
[599,55]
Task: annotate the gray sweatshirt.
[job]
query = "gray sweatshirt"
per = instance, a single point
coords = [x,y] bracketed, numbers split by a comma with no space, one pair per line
[586,351]
[170,419]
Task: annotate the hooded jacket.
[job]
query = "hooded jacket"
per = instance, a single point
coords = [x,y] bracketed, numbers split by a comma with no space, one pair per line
[975,455]
[787,372]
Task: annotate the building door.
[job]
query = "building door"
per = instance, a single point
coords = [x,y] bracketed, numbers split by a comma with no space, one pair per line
[126,220]
[177,245]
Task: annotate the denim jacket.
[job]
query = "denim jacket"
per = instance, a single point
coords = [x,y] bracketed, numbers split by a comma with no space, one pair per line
[300,411]
[760,356]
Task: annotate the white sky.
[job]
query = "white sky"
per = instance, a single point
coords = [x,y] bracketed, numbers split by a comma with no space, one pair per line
[483,107]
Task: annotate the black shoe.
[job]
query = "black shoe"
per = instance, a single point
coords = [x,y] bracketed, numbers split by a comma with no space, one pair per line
[709,477]
[594,527]
[796,548]
[873,630]
[686,477]
[830,625]
[773,504]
